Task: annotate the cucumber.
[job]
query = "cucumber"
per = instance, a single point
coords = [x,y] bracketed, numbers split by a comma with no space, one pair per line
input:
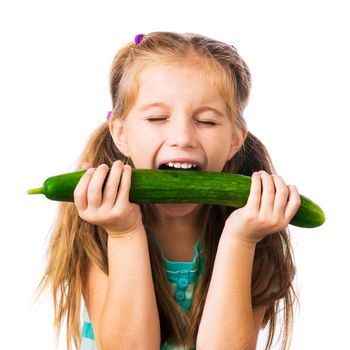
[182,186]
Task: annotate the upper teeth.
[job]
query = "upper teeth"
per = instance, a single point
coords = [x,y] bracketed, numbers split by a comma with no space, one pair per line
[181,165]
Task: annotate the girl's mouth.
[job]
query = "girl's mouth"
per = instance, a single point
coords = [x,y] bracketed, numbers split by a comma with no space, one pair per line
[179,166]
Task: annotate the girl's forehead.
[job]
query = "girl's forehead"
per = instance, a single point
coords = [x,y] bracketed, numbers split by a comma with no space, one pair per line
[171,70]
[166,79]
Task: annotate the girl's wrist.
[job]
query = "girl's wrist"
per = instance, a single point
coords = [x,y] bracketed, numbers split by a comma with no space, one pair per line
[130,239]
[238,239]
[134,231]
[136,227]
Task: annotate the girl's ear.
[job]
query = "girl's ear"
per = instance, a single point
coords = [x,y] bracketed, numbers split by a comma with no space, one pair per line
[237,141]
[117,130]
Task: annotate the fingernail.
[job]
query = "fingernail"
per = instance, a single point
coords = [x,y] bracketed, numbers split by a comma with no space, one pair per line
[103,166]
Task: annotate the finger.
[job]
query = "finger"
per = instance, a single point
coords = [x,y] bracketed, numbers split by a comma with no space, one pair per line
[80,191]
[268,193]
[281,195]
[112,184]
[125,184]
[95,186]
[255,192]
[293,204]
[87,165]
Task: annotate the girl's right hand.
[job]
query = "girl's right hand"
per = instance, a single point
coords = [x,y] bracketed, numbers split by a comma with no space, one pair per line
[110,208]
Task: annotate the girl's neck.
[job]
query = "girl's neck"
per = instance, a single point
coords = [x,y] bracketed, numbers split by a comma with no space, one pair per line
[178,235]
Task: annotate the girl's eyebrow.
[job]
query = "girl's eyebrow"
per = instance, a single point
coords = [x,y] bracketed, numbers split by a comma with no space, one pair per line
[151,105]
[164,105]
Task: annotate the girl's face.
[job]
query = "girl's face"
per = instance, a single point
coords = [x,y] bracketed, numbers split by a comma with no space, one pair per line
[178,119]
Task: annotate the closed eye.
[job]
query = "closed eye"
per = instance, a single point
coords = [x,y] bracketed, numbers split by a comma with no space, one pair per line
[207,122]
[156,119]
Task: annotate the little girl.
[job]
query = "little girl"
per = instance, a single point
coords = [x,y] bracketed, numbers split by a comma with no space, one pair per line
[173,276]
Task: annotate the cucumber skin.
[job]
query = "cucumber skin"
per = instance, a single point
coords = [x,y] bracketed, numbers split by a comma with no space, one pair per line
[181,186]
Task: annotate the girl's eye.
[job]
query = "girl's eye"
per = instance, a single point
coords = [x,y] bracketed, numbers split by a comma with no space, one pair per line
[161,118]
[207,122]
[156,119]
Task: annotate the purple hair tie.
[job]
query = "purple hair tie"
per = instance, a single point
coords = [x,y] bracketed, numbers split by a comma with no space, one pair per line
[138,39]
[109,115]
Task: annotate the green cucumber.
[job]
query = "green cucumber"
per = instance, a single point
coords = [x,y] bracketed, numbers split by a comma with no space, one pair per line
[182,186]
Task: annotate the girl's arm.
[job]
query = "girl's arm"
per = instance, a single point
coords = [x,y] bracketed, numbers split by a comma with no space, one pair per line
[228,320]
[122,306]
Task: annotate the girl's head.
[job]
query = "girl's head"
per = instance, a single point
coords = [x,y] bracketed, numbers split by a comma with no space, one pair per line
[176,97]
[179,98]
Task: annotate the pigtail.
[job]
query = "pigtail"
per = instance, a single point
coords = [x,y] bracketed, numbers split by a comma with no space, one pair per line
[274,265]
[73,243]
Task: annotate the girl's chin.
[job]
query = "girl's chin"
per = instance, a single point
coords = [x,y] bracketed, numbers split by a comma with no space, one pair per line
[175,209]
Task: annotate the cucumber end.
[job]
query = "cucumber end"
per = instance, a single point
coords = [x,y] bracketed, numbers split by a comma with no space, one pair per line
[39,190]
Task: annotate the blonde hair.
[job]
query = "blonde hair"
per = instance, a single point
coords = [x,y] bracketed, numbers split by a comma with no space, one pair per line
[74,243]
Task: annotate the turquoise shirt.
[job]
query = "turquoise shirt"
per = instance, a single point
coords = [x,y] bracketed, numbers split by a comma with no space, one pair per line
[182,277]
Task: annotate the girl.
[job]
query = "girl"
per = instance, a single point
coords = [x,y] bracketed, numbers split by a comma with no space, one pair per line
[173,276]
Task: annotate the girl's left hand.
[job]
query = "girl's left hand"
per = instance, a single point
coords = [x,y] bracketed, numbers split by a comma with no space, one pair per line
[270,207]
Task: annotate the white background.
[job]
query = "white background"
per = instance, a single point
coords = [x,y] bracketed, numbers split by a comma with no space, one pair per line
[54,64]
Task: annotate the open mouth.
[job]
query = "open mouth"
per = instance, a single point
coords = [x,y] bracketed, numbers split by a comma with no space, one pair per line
[178,166]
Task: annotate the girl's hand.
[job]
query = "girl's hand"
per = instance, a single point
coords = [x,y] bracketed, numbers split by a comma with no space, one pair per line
[110,208]
[270,207]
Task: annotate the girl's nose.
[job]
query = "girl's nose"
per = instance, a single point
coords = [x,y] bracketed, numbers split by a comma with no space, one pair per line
[182,135]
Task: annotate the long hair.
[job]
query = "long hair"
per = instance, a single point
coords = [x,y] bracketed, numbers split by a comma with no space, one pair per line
[74,243]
